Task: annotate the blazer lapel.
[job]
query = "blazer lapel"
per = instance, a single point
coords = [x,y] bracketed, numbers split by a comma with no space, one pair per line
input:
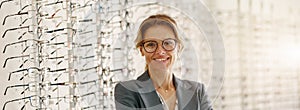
[184,94]
[148,93]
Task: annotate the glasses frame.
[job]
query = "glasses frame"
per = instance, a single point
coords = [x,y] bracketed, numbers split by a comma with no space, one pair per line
[142,43]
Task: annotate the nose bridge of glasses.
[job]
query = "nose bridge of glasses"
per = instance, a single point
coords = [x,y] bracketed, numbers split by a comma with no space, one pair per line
[160,47]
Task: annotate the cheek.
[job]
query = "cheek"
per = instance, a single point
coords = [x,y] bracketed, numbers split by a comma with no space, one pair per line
[148,57]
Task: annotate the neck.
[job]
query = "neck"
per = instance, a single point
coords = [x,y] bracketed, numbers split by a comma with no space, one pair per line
[164,81]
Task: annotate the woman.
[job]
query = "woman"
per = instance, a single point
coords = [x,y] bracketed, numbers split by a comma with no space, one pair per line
[157,88]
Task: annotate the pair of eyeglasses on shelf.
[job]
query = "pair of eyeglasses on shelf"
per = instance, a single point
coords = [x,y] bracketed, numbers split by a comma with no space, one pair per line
[40,29]
[78,6]
[52,36]
[34,72]
[55,3]
[86,32]
[35,101]
[28,56]
[114,16]
[30,29]
[55,32]
[54,14]
[94,107]
[115,19]
[61,29]
[107,35]
[58,59]
[57,72]
[95,68]
[87,57]
[107,71]
[109,48]
[18,13]
[28,43]
[85,20]
[78,46]
[35,57]
[47,13]
[116,27]
[33,43]
[37,1]
[88,20]
[85,72]
[40,18]
[34,86]
[104,71]
[110,7]
[75,98]
[46,85]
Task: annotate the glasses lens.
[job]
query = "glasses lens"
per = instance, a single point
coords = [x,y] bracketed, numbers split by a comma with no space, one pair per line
[33,86]
[34,101]
[169,44]
[150,46]
[32,72]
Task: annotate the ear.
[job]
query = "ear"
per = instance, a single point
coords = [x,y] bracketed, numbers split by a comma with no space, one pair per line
[141,50]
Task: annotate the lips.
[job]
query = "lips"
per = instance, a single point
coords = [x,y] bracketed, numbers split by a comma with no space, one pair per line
[161,59]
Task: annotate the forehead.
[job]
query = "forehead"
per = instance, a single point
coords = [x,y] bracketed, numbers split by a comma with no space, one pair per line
[159,32]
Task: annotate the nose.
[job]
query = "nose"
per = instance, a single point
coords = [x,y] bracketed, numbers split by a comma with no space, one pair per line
[160,50]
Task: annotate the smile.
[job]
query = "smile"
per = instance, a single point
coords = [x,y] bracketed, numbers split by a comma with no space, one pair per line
[161,59]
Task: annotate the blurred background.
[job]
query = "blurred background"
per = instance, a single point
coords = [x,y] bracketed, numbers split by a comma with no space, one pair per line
[69,54]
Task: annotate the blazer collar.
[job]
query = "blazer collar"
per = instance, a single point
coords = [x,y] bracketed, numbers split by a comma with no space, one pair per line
[184,92]
[148,93]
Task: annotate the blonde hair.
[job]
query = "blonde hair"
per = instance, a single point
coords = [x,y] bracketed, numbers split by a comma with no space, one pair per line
[154,20]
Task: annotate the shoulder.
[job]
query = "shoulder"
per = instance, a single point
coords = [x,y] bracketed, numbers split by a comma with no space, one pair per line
[192,84]
[126,92]
[126,95]
[126,85]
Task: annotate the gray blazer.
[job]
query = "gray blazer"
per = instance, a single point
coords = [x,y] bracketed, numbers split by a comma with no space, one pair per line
[140,94]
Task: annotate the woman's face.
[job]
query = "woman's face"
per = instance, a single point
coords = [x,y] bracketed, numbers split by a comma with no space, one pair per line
[160,57]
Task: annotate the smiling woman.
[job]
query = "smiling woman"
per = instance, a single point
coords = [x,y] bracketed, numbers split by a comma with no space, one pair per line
[157,88]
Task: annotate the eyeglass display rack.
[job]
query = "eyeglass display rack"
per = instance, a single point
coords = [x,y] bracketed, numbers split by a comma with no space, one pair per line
[59,52]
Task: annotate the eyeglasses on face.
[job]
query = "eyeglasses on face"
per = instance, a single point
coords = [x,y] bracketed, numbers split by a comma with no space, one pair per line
[150,46]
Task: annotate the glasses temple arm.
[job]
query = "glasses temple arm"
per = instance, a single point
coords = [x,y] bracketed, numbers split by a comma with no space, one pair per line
[15,72]
[13,29]
[4,2]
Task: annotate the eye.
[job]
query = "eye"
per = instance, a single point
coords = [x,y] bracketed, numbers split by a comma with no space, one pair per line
[169,43]
[150,44]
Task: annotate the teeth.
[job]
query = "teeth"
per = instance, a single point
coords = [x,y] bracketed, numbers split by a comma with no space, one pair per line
[160,59]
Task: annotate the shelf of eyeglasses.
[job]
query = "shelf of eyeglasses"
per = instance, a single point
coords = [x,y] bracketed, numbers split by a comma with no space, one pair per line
[74,4]
[55,9]
[45,32]
[106,86]
[33,72]
[51,49]
[52,101]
